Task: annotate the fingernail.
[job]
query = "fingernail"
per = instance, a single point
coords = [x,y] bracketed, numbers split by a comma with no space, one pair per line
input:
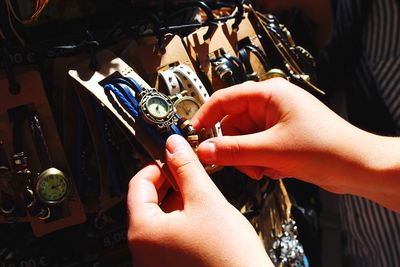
[195,123]
[176,143]
[206,152]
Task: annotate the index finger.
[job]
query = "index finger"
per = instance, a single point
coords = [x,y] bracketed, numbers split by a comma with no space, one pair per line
[142,199]
[232,100]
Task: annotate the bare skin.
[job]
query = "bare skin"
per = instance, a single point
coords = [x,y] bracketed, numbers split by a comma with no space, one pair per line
[272,128]
[195,227]
[277,129]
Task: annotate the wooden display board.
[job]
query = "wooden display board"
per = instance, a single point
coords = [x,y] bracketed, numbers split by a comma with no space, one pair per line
[143,56]
[33,93]
[89,81]
[201,51]
[225,38]
[245,31]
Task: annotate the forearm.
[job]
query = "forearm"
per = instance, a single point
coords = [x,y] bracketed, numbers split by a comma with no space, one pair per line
[384,166]
[369,166]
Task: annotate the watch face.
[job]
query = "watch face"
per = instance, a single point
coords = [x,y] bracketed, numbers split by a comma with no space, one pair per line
[187,107]
[52,186]
[158,107]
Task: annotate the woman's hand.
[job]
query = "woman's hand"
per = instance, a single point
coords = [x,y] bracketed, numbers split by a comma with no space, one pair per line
[194,227]
[277,129]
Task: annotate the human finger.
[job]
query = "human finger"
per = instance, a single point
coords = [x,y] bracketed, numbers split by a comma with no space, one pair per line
[188,172]
[230,101]
[254,172]
[239,124]
[142,199]
[241,150]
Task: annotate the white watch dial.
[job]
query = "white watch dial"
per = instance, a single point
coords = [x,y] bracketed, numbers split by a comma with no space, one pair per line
[158,107]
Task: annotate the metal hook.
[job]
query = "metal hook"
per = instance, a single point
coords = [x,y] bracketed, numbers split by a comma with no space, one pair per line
[211,22]
[238,15]
[92,46]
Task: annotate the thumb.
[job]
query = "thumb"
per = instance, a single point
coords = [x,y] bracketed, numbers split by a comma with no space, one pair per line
[187,170]
[240,150]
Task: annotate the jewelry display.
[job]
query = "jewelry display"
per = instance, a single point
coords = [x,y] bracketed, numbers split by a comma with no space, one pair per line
[152,109]
[188,93]
[127,85]
[186,106]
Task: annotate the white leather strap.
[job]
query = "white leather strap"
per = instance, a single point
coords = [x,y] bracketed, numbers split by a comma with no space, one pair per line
[187,79]
[191,82]
[170,81]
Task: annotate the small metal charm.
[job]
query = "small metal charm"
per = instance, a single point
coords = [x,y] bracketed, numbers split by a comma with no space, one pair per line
[286,250]
[189,132]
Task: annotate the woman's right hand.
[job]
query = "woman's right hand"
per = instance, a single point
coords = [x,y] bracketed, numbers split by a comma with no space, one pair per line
[277,129]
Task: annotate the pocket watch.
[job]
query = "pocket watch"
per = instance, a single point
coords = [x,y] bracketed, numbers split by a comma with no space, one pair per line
[186,106]
[52,186]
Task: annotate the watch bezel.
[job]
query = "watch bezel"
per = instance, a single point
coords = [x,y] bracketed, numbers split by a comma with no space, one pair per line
[39,179]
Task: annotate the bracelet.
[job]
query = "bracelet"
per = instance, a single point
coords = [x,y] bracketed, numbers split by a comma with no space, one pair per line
[121,87]
[191,83]
[170,81]
[229,69]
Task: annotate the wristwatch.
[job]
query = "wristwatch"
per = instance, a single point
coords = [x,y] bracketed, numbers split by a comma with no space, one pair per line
[171,82]
[189,82]
[153,107]
[185,106]
[157,109]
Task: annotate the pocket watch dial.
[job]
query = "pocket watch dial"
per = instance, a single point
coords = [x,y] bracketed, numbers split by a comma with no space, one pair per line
[158,107]
[187,108]
[52,186]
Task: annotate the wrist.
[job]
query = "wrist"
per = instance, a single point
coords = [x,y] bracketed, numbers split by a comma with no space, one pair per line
[383,166]
[370,167]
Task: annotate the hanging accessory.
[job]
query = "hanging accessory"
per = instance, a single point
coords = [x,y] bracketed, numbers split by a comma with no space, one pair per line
[229,69]
[7,205]
[244,55]
[51,186]
[295,58]
[185,106]
[24,177]
[152,109]
[187,92]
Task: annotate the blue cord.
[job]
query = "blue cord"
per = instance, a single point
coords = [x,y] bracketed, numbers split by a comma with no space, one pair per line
[115,185]
[78,149]
[132,83]
[121,89]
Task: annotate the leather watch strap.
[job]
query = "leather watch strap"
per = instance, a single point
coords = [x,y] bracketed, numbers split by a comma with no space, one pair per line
[170,81]
[191,83]
[244,57]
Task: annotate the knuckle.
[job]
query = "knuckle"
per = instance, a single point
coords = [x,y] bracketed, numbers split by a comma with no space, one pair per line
[182,161]
[232,149]
[218,95]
